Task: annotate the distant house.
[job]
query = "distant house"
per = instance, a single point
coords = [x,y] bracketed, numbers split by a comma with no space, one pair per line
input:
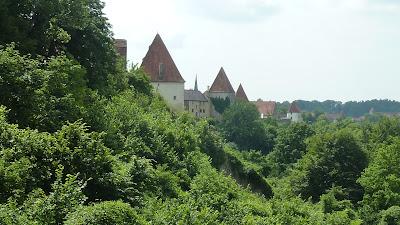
[196,103]
[294,113]
[241,95]
[164,75]
[265,108]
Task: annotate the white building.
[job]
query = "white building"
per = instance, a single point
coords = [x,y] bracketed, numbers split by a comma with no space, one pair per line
[164,75]
[294,113]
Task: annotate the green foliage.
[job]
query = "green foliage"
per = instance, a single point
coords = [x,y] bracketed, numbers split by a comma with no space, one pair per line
[40,208]
[290,146]
[381,181]
[352,108]
[83,140]
[104,213]
[390,216]
[29,159]
[220,104]
[242,125]
[332,159]
[48,28]
[41,94]
[133,180]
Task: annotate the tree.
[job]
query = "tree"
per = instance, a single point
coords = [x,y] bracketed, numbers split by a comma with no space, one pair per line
[242,125]
[290,146]
[41,94]
[48,28]
[220,104]
[381,181]
[332,159]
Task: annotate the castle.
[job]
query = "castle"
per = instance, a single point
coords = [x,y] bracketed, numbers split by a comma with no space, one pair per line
[169,83]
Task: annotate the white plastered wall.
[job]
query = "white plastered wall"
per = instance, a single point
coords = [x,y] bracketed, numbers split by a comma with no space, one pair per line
[173,94]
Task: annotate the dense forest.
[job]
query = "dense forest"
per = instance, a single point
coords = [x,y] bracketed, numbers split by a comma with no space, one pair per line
[350,109]
[85,141]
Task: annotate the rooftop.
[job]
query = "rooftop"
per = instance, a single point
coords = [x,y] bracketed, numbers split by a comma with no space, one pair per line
[222,83]
[159,64]
[194,95]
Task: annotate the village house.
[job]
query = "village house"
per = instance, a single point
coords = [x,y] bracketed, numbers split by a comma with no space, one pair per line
[265,108]
[164,75]
[196,102]
[294,113]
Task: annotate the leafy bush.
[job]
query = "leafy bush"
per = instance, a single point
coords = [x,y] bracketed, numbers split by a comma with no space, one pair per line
[104,213]
[332,159]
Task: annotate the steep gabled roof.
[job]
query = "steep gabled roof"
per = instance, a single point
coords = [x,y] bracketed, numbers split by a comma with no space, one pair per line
[195,95]
[159,65]
[222,83]
[293,108]
[267,108]
[240,94]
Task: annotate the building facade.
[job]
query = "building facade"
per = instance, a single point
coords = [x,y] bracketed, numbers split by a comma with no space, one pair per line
[164,74]
[196,102]
[294,113]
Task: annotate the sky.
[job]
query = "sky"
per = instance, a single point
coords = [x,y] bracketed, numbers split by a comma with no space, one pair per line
[277,49]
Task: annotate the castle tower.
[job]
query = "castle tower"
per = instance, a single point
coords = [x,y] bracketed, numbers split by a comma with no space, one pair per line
[221,87]
[164,75]
[241,95]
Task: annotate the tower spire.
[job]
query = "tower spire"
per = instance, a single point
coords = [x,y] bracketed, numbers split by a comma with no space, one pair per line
[195,84]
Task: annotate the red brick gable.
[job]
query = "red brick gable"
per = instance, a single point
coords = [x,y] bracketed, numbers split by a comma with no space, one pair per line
[240,94]
[159,65]
[222,83]
[293,108]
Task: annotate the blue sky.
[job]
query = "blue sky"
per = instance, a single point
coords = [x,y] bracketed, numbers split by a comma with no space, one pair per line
[278,49]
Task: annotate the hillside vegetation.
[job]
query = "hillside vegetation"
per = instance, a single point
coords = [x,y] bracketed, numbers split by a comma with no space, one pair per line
[85,141]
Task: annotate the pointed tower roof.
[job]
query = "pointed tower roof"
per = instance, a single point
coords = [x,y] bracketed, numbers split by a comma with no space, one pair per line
[222,83]
[240,94]
[159,64]
[293,108]
[195,85]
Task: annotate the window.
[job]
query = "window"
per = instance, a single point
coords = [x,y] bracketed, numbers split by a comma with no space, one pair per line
[161,71]
[192,110]
[174,97]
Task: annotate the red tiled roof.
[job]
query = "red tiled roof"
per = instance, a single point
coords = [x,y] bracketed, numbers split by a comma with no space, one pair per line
[240,94]
[222,83]
[158,56]
[293,108]
[267,108]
